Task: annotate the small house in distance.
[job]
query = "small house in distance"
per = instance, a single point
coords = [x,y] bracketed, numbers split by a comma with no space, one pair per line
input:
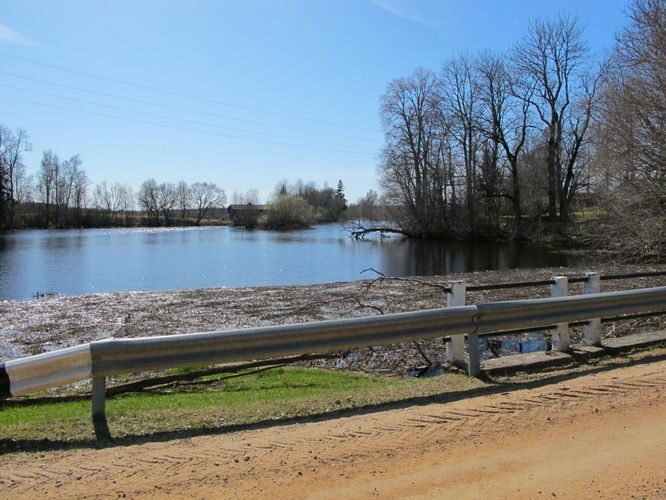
[245,215]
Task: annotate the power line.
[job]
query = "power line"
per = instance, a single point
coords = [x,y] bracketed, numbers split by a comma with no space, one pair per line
[178,108]
[207,132]
[157,115]
[179,94]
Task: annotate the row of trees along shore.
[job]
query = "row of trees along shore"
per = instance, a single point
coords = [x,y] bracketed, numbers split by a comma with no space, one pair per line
[60,194]
[509,144]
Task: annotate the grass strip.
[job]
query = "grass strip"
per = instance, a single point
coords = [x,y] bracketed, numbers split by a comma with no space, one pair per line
[278,393]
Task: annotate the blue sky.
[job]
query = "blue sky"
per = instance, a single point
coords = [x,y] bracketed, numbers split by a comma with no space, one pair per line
[241,93]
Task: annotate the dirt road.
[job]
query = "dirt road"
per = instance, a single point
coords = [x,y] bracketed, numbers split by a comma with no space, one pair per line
[596,436]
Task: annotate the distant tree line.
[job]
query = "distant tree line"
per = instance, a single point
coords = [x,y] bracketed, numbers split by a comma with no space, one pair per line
[60,194]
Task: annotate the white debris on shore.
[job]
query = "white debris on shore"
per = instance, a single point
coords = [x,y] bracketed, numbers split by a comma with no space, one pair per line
[32,327]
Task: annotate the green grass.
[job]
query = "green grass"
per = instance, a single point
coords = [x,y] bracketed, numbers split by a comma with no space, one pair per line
[274,394]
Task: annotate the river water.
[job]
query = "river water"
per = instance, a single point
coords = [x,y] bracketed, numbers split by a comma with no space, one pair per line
[73,262]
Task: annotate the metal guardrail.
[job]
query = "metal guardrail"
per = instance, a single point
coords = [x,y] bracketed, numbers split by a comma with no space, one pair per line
[571,279]
[50,369]
[117,356]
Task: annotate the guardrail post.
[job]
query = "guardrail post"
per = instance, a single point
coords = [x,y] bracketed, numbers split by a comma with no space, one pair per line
[474,364]
[455,349]
[98,398]
[592,331]
[560,336]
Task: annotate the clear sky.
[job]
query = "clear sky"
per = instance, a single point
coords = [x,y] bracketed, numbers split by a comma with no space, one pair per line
[243,93]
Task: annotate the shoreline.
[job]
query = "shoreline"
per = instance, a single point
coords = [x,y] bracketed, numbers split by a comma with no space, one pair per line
[36,326]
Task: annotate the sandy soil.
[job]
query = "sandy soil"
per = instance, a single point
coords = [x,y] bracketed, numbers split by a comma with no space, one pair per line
[600,435]
[32,327]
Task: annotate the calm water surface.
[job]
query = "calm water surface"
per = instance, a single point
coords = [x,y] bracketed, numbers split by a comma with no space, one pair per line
[72,262]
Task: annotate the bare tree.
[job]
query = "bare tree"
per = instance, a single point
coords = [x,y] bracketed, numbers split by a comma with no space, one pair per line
[553,58]
[413,171]
[366,207]
[148,201]
[251,196]
[5,193]
[184,198]
[461,102]
[505,120]
[80,184]
[23,187]
[167,200]
[631,147]
[112,200]
[70,171]
[12,147]
[47,180]
[125,202]
[206,195]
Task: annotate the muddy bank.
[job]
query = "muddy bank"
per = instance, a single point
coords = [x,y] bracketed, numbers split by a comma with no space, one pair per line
[36,326]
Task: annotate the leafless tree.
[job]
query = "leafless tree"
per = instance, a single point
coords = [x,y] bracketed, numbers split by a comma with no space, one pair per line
[184,198]
[23,187]
[80,184]
[365,208]
[413,171]
[47,181]
[167,200]
[460,100]
[554,59]
[148,200]
[125,202]
[250,196]
[505,120]
[206,195]
[631,146]
[112,199]
[70,172]
[12,147]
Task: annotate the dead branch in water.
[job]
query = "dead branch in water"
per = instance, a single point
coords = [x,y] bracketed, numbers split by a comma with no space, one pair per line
[358,231]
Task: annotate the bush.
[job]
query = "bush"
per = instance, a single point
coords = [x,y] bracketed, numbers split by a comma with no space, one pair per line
[288,212]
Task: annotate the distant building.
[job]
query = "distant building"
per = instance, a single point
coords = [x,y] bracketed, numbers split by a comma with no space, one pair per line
[245,215]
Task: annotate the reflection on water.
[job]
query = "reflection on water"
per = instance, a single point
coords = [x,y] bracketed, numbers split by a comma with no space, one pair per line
[426,258]
[103,260]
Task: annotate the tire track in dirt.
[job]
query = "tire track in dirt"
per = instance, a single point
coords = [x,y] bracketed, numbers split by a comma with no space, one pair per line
[152,467]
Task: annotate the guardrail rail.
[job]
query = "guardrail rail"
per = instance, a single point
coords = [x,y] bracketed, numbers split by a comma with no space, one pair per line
[101,359]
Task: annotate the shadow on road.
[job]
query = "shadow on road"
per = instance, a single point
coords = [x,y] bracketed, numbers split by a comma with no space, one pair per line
[496,386]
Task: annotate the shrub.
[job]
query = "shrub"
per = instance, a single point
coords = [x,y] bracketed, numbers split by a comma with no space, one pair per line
[288,212]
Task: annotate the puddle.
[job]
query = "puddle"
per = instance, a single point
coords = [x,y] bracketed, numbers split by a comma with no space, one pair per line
[506,345]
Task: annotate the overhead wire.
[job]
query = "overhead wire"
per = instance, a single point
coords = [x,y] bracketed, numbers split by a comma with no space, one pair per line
[175,127]
[180,94]
[195,122]
[178,108]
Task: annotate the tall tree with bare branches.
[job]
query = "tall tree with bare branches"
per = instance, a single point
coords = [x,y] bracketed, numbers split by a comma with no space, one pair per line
[505,119]
[413,171]
[555,60]
[206,195]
